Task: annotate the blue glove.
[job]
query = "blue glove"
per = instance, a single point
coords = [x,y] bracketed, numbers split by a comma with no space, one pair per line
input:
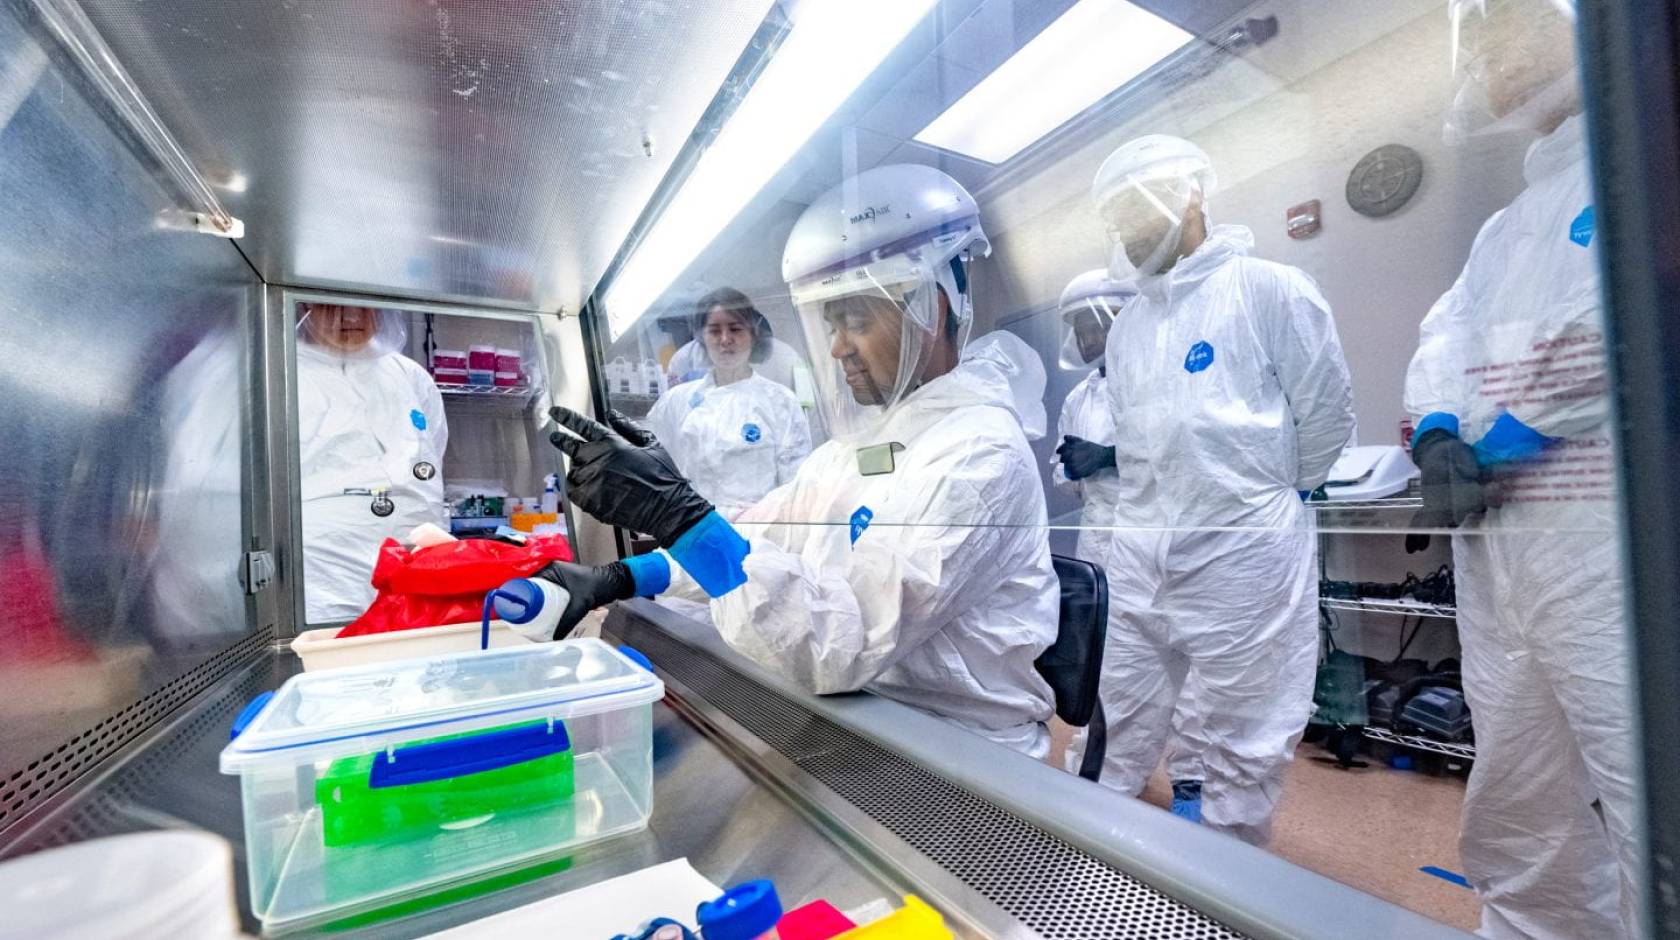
[1510,441]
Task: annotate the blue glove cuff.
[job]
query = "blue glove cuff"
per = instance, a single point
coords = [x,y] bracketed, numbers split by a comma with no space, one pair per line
[711,551]
[1510,441]
[1433,420]
[651,572]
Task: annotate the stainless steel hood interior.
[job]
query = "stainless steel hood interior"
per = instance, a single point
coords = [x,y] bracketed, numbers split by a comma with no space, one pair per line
[452,149]
[501,151]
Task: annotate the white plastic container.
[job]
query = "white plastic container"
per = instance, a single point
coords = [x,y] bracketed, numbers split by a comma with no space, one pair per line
[173,885]
[323,649]
[367,786]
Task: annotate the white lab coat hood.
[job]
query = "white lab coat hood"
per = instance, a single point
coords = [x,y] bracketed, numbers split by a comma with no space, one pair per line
[999,369]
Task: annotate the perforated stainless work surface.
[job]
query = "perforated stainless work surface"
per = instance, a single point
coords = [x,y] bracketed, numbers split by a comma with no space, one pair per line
[1050,886]
[48,775]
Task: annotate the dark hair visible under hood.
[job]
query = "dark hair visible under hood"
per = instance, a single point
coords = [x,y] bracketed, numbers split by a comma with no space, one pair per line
[733,301]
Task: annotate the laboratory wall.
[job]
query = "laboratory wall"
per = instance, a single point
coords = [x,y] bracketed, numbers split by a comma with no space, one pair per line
[124,417]
[1283,126]
[1276,141]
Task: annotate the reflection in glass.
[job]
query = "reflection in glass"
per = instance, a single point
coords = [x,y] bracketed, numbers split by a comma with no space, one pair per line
[735,433]
[1509,392]
[120,491]
[197,596]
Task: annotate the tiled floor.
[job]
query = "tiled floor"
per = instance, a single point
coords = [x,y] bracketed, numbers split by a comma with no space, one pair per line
[1371,828]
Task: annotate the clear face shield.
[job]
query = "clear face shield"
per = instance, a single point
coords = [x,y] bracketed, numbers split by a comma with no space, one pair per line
[870,333]
[348,332]
[1144,217]
[1085,331]
[1513,66]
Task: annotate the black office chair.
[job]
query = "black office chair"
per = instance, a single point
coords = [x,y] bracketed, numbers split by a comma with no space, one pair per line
[1073,664]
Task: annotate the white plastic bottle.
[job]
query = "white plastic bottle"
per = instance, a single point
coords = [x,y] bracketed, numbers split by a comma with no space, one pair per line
[531,606]
[653,378]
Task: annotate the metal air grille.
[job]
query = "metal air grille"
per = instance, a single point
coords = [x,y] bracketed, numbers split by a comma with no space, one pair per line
[1050,886]
[161,785]
[50,773]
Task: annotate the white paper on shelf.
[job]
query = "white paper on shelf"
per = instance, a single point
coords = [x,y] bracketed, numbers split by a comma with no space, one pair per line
[601,910]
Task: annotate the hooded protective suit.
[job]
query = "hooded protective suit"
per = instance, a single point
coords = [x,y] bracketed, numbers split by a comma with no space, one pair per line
[930,585]
[1088,412]
[734,442]
[1230,396]
[195,590]
[365,424]
[1519,337]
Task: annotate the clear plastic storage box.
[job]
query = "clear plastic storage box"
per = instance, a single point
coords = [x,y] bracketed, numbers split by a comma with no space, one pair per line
[370,785]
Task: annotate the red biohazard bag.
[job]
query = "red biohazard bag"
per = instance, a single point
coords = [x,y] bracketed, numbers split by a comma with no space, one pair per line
[446,583]
[30,617]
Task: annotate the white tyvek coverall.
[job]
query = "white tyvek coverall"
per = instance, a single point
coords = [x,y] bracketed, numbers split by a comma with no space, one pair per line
[1088,412]
[1230,396]
[1540,607]
[196,594]
[363,423]
[733,442]
[948,596]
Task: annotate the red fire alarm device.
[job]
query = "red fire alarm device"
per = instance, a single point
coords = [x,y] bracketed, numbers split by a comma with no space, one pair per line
[1304,220]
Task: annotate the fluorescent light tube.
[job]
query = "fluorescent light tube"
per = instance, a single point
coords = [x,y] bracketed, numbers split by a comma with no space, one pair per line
[828,52]
[1088,52]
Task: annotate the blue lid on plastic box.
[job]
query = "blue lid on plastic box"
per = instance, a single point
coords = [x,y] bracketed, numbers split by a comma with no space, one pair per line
[744,912]
[359,709]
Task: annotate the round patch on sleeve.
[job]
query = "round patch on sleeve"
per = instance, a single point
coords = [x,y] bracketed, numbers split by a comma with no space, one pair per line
[750,433]
[418,417]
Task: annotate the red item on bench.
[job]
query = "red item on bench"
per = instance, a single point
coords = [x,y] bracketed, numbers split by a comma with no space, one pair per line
[446,583]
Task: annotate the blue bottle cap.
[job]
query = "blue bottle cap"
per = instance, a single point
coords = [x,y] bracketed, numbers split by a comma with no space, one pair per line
[744,912]
[519,601]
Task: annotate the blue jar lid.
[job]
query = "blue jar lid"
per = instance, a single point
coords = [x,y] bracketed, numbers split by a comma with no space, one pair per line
[744,912]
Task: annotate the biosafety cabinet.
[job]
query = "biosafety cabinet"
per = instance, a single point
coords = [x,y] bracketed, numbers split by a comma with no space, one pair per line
[288,291]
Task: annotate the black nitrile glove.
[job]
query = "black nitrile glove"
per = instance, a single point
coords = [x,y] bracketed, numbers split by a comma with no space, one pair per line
[1081,458]
[589,587]
[621,476]
[1452,484]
